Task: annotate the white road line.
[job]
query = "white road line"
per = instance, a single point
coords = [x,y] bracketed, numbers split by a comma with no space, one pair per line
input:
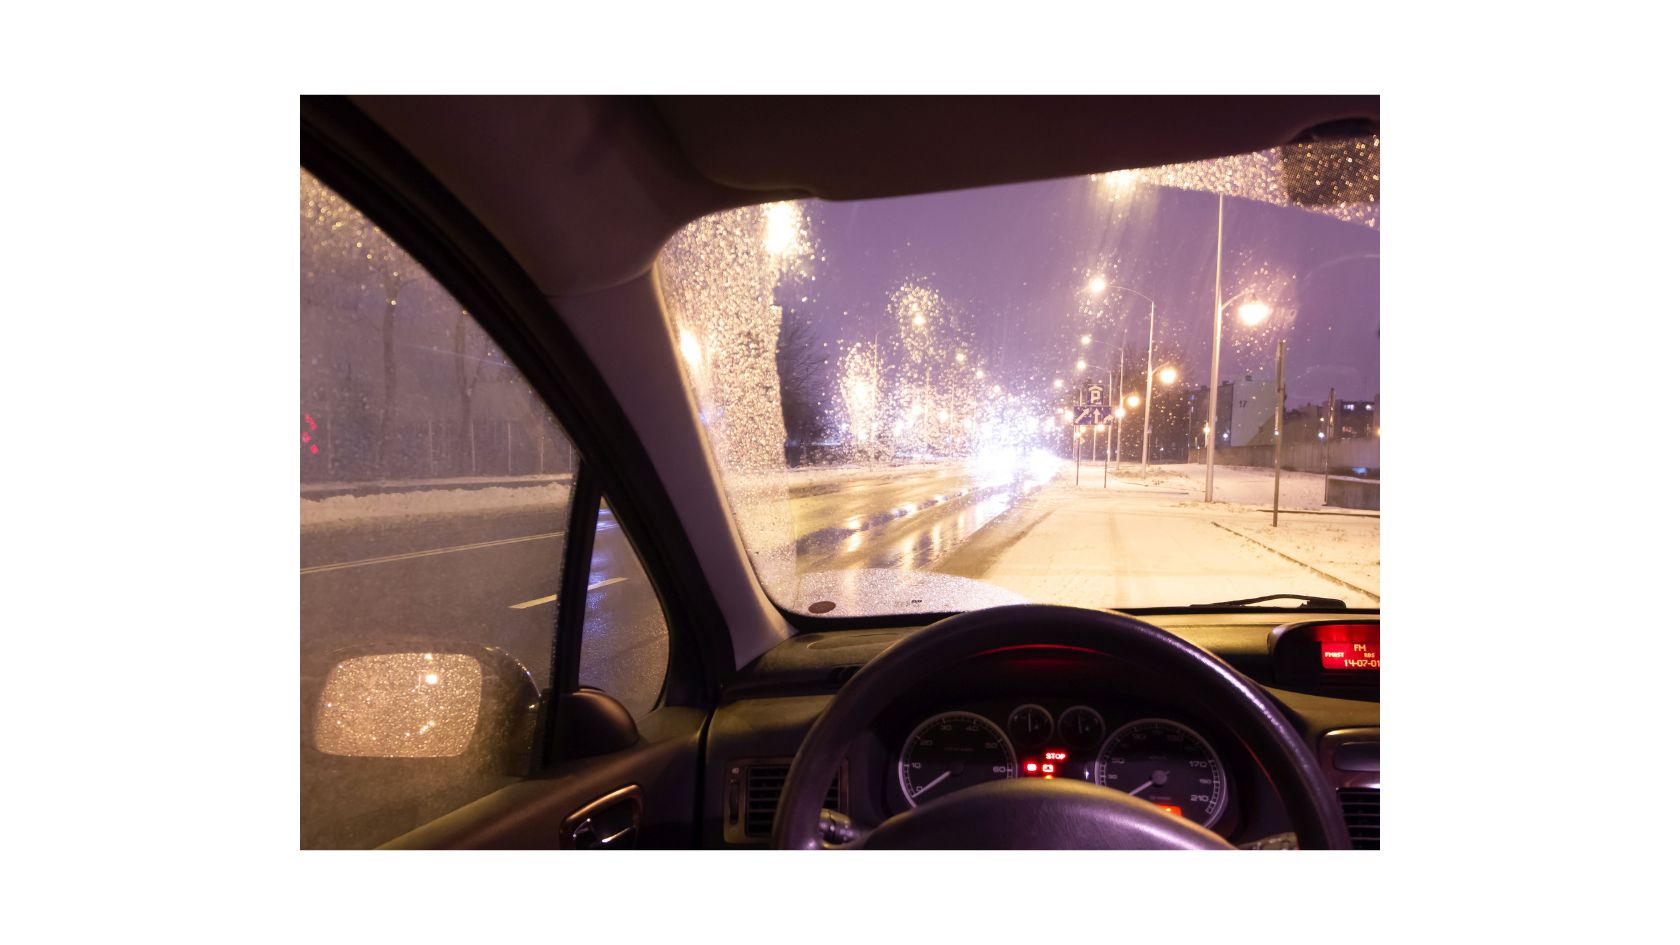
[423,554]
[554,597]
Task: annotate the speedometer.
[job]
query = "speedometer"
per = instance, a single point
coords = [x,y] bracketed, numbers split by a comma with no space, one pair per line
[950,752]
[1166,764]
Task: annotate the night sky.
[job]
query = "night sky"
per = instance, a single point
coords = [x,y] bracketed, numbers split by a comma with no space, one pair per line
[1013,263]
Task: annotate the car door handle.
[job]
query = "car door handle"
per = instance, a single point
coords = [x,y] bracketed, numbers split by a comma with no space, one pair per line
[610,822]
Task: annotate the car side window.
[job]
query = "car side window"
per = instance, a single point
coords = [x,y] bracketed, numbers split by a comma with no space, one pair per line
[435,488]
[626,643]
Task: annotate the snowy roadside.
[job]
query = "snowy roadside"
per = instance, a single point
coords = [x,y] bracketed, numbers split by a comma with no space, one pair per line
[390,507]
[322,490]
[1149,540]
[1233,486]
[1345,550]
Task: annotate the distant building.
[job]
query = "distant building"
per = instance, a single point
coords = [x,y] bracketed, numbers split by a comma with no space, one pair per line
[1245,412]
[1252,404]
[1356,419]
[1196,421]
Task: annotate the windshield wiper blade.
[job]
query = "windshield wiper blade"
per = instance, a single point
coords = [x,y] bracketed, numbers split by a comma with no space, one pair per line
[1307,603]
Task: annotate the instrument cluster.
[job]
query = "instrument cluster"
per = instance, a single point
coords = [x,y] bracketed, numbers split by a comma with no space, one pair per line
[1160,760]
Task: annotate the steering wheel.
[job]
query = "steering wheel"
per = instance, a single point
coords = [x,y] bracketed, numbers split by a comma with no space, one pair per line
[1033,813]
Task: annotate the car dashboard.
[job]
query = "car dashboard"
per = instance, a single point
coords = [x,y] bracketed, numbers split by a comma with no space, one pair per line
[1048,713]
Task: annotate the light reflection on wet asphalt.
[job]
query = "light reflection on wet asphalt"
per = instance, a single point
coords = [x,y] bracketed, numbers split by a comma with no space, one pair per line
[903,522]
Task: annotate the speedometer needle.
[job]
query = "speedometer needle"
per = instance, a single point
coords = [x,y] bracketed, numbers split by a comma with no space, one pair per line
[1159,777]
[929,786]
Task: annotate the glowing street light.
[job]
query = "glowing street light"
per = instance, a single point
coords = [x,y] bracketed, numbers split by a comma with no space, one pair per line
[1253,313]
[1081,364]
[1250,313]
[1167,375]
[1117,182]
[690,347]
[781,228]
[1058,384]
[1133,400]
[1096,286]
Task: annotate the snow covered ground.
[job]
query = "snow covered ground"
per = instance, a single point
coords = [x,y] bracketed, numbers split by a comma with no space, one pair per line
[1149,540]
[431,504]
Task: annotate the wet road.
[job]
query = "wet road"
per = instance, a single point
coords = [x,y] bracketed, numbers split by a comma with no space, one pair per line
[491,578]
[906,521]
[485,579]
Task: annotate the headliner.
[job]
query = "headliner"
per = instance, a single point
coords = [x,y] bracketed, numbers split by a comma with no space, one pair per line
[584,190]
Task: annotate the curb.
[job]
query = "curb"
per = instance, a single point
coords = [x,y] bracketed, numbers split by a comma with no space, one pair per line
[1292,560]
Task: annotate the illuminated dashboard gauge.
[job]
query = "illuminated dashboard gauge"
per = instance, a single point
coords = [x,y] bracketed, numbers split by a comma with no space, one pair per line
[950,752]
[1081,727]
[1166,764]
[1030,726]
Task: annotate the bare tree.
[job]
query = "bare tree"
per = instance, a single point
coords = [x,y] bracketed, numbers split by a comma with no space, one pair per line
[466,382]
[395,273]
[799,367]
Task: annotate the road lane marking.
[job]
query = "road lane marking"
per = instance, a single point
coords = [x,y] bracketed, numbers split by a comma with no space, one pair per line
[424,554]
[554,597]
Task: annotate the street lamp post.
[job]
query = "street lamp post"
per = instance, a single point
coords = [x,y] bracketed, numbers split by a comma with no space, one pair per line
[1169,374]
[1087,341]
[1098,285]
[1251,313]
[1277,433]
[1213,369]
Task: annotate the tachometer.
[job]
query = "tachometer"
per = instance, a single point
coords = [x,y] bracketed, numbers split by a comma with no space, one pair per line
[1166,764]
[950,752]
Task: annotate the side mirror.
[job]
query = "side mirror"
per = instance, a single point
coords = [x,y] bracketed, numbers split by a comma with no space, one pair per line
[405,732]
[434,700]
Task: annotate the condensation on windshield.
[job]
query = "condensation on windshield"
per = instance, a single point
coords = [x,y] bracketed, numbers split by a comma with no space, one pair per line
[1339,178]
[955,400]
[720,275]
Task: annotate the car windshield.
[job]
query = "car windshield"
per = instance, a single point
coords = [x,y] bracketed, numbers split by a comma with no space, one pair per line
[949,401]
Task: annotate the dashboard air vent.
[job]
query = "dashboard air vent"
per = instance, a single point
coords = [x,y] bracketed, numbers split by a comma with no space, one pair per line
[1360,809]
[764,792]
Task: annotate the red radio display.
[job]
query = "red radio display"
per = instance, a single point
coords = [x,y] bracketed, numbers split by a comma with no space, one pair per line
[1360,656]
